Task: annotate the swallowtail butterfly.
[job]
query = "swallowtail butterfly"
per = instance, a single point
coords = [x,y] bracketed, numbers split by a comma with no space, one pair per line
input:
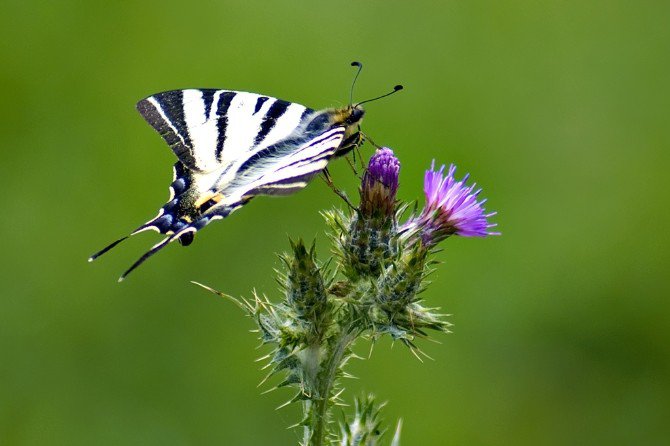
[232,146]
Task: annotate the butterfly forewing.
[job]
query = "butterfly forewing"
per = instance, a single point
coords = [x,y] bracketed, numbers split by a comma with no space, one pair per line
[207,129]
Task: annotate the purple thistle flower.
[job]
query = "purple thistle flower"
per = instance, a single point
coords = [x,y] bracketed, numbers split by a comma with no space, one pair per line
[451,209]
[380,184]
[383,167]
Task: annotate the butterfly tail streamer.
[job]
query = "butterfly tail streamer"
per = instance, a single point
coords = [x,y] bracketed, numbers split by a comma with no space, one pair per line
[185,233]
[107,248]
[146,226]
[167,220]
[157,247]
[154,249]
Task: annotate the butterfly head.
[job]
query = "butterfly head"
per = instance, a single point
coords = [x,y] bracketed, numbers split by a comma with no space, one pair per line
[349,116]
[355,115]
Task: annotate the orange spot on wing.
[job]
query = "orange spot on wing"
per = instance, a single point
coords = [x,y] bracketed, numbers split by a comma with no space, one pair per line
[205,198]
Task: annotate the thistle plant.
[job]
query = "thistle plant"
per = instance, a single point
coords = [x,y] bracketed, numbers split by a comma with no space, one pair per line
[370,288]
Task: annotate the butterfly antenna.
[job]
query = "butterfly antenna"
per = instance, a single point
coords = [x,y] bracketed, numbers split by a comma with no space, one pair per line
[329,181]
[106,248]
[396,89]
[360,68]
[157,247]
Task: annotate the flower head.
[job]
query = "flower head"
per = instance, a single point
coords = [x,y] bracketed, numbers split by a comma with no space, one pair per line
[451,209]
[380,184]
[383,168]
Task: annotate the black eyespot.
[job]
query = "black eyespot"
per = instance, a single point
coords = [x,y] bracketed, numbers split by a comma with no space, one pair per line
[186,238]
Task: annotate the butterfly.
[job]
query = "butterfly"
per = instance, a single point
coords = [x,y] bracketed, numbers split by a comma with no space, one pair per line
[232,146]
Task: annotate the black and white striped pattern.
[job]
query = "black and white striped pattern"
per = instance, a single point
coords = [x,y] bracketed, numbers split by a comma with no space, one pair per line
[231,146]
[210,128]
[234,143]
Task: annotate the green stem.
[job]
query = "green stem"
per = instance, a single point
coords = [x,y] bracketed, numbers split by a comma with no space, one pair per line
[319,407]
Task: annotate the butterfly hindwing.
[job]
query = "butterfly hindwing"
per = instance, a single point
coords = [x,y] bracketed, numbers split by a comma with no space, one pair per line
[289,171]
[285,168]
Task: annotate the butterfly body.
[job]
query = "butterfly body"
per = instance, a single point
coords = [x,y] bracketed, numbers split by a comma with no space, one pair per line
[232,146]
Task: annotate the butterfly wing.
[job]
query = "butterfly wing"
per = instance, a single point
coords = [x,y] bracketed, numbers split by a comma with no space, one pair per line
[281,169]
[286,167]
[214,133]
[209,128]
[231,147]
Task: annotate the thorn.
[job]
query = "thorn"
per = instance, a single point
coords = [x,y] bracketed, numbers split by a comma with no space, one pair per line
[426,355]
[281,406]
[337,395]
[413,350]
[264,380]
[298,397]
[372,346]
[268,391]
[227,296]
[396,436]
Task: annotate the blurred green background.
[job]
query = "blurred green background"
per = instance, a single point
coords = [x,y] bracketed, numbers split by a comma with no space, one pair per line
[558,109]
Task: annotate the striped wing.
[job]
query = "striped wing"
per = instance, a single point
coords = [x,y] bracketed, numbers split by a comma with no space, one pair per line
[208,129]
[285,167]
[282,168]
[232,146]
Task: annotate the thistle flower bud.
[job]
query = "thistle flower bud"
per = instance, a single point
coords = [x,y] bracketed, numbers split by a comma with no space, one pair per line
[304,285]
[370,242]
[401,314]
[399,286]
[380,185]
[451,209]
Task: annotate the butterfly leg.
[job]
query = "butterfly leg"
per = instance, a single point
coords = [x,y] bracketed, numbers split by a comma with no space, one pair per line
[329,181]
[350,143]
[352,164]
[360,157]
[362,137]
